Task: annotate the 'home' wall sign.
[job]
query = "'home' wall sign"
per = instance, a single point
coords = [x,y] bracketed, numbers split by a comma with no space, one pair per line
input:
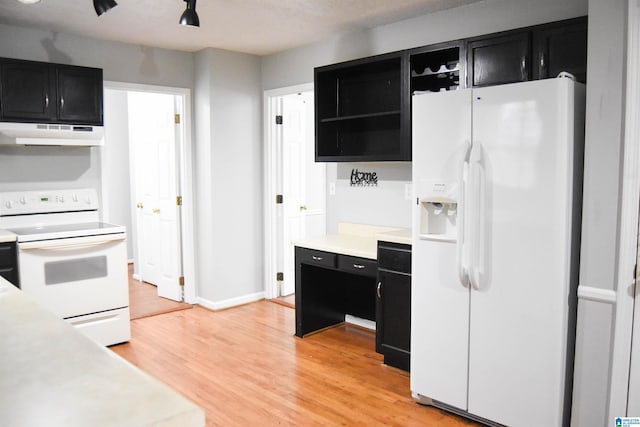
[363,179]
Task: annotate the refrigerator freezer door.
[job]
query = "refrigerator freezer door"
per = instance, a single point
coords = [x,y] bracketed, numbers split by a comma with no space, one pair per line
[523,138]
[440,303]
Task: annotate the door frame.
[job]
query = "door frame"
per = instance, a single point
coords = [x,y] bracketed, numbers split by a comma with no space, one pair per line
[185,184]
[620,367]
[271,153]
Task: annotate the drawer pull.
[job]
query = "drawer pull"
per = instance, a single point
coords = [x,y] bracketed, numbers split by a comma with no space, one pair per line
[317,258]
[378,289]
[358,266]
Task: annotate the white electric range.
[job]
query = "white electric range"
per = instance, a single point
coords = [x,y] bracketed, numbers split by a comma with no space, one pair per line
[69,261]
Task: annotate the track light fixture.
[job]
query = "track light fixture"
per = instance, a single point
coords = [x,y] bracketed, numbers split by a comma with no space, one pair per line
[190,17]
[102,6]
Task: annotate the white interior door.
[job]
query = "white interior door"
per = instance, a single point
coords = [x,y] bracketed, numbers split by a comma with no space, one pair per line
[303,181]
[153,136]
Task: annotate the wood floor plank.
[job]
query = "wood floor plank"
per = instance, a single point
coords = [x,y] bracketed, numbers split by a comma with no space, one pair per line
[244,366]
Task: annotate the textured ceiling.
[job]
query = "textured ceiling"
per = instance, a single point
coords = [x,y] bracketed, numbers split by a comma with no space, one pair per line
[258,27]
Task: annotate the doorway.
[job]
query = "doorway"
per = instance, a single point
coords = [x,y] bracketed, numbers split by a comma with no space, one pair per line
[295,184]
[145,186]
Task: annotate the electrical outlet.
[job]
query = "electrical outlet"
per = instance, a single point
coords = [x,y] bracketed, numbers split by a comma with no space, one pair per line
[332,188]
[408,192]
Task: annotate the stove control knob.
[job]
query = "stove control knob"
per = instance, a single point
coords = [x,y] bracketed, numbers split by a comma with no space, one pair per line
[23,200]
[61,199]
[75,198]
[9,204]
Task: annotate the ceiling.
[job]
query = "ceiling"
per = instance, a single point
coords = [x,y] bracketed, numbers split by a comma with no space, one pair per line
[259,27]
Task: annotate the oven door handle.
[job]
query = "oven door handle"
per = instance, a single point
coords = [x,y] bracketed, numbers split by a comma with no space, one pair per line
[73,242]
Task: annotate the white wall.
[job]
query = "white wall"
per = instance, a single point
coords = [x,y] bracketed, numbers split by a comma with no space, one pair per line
[386,205]
[228,155]
[116,200]
[599,258]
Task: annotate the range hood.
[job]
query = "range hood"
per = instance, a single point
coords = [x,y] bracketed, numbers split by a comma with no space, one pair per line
[50,134]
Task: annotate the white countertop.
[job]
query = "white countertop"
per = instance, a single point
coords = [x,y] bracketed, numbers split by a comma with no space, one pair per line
[52,375]
[356,240]
[7,236]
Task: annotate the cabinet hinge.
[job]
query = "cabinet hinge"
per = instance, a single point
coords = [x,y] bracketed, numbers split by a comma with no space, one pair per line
[181,280]
[279,276]
[278,120]
[176,118]
[279,199]
[179,200]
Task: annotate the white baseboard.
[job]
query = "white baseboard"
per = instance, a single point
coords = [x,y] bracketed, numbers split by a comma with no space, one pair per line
[232,302]
[368,324]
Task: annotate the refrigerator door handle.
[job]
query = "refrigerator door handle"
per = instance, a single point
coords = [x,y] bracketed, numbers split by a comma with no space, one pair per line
[476,211]
[462,247]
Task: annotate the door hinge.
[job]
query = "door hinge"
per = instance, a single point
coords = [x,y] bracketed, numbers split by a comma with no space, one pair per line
[279,276]
[176,119]
[279,199]
[278,120]
[181,280]
[179,200]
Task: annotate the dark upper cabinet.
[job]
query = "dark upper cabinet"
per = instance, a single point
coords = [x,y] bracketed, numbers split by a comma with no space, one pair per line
[438,67]
[80,95]
[50,93]
[27,91]
[362,110]
[561,47]
[363,107]
[499,60]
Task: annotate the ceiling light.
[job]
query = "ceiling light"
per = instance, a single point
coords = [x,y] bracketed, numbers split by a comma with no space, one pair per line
[190,17]
[29,1]
[102,6]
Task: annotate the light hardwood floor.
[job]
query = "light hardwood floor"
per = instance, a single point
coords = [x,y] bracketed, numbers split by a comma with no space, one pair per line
[245,367]
[144,300]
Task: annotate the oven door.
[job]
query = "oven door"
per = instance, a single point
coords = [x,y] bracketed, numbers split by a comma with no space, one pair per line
[76,276]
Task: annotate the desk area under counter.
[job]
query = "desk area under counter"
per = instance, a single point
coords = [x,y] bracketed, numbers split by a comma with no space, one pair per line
[340,275]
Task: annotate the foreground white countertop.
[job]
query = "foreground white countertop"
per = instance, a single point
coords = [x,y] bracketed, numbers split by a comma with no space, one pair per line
[52,375]
[7,236]
[356,240]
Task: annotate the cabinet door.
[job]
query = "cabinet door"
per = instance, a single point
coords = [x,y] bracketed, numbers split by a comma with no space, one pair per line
[561,47]
[499,60]
[80,95]
[27,92]
[394,317]
[9,262]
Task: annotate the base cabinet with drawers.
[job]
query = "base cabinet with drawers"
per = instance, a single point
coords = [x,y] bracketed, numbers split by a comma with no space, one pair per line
[393,304]
[329,286]
[9,262]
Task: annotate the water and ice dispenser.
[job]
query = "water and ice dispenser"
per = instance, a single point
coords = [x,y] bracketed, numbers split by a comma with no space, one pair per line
[438,209]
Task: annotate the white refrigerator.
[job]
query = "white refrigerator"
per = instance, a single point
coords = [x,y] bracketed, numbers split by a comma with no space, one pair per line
[497,178]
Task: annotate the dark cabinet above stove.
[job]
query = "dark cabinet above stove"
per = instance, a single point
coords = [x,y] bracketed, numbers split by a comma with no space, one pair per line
[40,92]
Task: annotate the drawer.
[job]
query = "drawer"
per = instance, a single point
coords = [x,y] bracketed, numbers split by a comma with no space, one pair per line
[361,266]
[394,257]
[313,257]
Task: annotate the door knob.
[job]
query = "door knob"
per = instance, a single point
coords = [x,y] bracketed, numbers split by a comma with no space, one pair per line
[303,207]
[139,206]
[156,210]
